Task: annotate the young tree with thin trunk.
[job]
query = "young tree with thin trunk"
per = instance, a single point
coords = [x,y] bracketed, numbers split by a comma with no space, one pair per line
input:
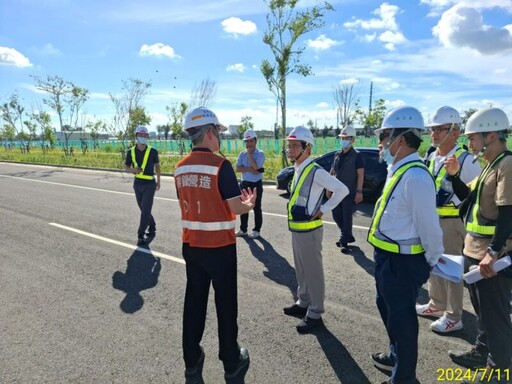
[13,113]
[285,25]
[202,95]
[66,99]
[345,97]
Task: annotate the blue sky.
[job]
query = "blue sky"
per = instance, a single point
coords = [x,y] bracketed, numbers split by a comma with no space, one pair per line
[424,53]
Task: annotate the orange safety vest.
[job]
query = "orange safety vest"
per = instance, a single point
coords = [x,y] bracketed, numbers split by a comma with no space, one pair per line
[206,218]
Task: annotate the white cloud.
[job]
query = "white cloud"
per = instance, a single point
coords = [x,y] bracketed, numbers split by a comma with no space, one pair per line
[464,27]
[236,26]
[158,49]
[236,67]
[321,43]
[10,56]
[323,105]
[386,20]
[391,39]
[349,81]
[49,50]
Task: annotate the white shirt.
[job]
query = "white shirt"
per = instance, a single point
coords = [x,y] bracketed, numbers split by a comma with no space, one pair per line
[468,171]
[411,210]
[321,181]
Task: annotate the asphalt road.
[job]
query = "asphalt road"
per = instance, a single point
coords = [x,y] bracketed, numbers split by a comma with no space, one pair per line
[80,304]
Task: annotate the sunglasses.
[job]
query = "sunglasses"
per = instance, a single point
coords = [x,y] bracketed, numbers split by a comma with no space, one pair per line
[383,135]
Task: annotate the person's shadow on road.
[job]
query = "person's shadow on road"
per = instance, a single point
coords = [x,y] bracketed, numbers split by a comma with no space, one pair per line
[278,268]
[141,273]
[341,361]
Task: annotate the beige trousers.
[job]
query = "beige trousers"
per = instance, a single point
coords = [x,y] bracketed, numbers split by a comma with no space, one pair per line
[446,295]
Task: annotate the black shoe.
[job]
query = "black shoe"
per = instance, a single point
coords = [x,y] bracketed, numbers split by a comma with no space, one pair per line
[351,240]
[383,361]
[141,241]
[338,244]
[472,358]
[295,310]
[307,324]
[238,373]
[194,375]
[345,248]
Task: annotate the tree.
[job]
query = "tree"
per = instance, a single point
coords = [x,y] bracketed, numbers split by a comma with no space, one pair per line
[129,111]
[177,114]
[13,113]
[66,99]
[43,120]
[312,127]
[345,97]
[94,128]
[371,119]
[245,124]
[466,114]
[285,26]
[202,95]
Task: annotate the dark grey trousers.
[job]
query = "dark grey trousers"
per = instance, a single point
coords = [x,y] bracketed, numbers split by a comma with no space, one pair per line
[145,193]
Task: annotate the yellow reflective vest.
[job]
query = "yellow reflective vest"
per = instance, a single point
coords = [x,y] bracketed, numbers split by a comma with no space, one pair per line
[377,238]
[144,163]
[476,224]
[298,219]
[448,209]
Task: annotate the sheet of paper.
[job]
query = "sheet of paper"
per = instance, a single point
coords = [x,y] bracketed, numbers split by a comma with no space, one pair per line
[451,269]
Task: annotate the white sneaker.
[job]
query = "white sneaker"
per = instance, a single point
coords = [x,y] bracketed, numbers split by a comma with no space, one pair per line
[426,310]
[254,235]
[240,233]
[445,325]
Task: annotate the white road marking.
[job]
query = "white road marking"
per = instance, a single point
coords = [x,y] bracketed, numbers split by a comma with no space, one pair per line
[156,197]
[120,243]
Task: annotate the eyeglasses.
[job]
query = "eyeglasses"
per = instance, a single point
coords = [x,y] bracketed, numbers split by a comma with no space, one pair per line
[383,135]
[439,129]
[291,146]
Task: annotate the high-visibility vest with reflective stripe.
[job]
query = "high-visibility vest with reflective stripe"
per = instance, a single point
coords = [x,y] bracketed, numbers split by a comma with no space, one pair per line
[476,224]
[300,198]
[375,236]
[206,218]
[144,163]
[449,209]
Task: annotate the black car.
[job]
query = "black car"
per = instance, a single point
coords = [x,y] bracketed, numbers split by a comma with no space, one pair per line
[375,173]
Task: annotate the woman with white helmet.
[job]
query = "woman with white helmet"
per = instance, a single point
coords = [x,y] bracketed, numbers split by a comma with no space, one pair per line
[488,221]
[305,211]
[407,239]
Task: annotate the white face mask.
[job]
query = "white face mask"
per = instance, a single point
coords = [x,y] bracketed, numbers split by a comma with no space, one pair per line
[345,143]
[142,140]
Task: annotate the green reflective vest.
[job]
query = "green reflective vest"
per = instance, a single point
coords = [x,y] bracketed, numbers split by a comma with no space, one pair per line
[378,239]
[144,163]
[298,220]
[449,209]
[476,224]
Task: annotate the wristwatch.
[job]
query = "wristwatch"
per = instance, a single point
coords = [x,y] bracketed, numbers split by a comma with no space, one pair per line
[492,252]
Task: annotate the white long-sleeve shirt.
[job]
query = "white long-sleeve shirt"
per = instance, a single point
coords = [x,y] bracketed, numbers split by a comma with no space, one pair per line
[411,210]
[322,180]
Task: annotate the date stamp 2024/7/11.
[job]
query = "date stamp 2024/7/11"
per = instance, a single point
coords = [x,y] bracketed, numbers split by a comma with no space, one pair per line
[449,375]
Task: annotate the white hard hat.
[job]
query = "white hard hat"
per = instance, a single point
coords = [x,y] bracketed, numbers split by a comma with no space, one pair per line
[487,120]
[348,131]
[402,117]
[250,134]
[302,134]
[202,116]
[141,129]
[445,115]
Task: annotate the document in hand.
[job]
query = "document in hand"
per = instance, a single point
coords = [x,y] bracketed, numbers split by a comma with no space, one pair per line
[474,275]
[451,269]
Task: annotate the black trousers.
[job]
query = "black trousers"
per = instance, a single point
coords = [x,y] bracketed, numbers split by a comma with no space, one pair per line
[491,301]
[342,215]
[145,194]
[216,266]
[258,215]
[397,279]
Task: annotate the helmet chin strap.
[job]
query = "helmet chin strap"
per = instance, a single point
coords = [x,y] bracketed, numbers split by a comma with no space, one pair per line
[446,137]
[300,154]
[480,153]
